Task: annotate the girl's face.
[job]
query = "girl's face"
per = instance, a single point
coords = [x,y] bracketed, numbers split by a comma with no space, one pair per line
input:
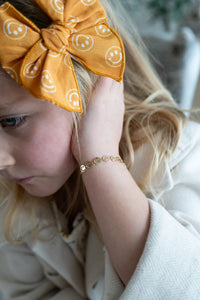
[35,140]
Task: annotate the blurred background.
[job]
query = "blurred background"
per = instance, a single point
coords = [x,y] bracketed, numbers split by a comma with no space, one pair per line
[171,31]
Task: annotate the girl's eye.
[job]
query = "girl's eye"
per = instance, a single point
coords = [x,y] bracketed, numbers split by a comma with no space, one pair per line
[12,122]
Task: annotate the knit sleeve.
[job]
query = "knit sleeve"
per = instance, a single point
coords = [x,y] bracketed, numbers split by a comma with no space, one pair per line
[169,267]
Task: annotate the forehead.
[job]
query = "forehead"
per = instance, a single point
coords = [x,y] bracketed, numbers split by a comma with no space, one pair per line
[6,82]
[10,91]
[16,99]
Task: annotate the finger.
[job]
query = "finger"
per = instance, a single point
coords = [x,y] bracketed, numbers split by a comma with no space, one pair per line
[118,84]
[105,82]
[103,85]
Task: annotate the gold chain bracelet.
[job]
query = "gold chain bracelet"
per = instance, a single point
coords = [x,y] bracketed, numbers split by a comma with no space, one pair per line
[98,160]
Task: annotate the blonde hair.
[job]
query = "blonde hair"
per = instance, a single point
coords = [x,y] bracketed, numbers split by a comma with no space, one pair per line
[151,117]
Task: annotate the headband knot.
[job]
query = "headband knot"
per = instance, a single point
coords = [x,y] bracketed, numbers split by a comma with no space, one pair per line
[56,37]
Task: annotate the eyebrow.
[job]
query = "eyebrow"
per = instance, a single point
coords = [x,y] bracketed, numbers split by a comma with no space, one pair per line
[7,105]
[12,102]
[11,107]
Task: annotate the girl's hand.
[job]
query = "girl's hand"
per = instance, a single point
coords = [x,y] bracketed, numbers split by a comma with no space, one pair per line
[101,128]
[115,198]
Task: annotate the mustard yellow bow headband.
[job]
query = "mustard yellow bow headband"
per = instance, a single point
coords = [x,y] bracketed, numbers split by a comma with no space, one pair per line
[40,59]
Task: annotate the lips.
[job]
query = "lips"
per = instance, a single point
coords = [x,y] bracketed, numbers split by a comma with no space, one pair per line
[23,180]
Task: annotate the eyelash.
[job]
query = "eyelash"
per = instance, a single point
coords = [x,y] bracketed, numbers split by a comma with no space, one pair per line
[19,121]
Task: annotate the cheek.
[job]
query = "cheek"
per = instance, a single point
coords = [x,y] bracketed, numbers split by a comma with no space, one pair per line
[51,149]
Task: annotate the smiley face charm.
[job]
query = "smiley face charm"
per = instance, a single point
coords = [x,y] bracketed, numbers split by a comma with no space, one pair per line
[14,30]
[114,57]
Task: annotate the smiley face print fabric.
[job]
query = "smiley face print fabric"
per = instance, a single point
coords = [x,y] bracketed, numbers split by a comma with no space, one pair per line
[40,59]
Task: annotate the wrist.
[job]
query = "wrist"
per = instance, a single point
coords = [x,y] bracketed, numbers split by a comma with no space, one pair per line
[90,154]
[98,160]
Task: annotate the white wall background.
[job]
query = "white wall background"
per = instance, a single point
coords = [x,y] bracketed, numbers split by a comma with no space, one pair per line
[178,50]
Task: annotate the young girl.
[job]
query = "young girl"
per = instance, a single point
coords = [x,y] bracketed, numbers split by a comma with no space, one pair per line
[103,204]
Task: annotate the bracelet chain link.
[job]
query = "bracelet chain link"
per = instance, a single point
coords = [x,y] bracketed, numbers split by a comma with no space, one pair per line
[98,160]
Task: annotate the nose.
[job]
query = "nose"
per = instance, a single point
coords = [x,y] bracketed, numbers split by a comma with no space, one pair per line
[6,161]
[6,158]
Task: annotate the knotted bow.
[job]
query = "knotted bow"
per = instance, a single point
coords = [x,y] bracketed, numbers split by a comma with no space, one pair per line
[40,59]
